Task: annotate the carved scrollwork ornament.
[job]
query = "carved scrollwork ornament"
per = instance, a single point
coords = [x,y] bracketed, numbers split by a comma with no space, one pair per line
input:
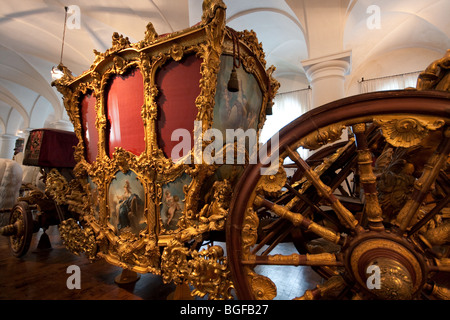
[174,263]
[407,132]
[150,35]
[436,75]
[206,270]
[263,288]
[322,136]
[274,182]
[176,52]
[209,9]
[250,230]
[209,274]
[62,192]
[78,240]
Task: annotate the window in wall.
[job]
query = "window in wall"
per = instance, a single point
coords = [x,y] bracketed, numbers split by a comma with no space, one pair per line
[287,107]
[396,82]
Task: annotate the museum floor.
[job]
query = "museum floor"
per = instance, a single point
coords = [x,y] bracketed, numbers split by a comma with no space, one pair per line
[42,275]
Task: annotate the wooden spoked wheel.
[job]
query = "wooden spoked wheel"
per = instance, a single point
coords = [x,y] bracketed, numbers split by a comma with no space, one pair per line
[21,221]
[371,215]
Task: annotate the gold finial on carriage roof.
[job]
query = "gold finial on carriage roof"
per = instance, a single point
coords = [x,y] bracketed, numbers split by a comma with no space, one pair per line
[209,8]
[150,33]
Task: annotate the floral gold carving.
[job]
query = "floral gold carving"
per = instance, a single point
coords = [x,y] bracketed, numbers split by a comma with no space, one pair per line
[263,288]
[176,52]
[78,240]
[407,132]
[322,136]
[206,270]
[273,183]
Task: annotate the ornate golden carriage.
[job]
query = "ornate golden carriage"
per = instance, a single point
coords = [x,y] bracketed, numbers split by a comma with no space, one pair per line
[147,197]
[46,149]
[144,188]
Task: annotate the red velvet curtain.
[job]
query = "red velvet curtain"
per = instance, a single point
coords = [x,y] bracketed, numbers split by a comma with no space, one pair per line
[90,133]
[125,98]
[178,84]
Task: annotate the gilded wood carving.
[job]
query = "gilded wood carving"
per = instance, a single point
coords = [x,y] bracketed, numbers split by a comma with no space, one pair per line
[131,205]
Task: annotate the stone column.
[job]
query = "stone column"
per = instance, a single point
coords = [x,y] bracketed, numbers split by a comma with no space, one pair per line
[8,143]
[327,76]
[25,134]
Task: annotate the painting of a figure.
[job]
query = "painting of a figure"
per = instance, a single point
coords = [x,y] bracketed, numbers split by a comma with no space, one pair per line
[239,109]
[172,202]
[126,203]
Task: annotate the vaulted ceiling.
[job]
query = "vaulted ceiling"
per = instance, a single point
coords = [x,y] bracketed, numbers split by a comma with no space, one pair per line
[384,36]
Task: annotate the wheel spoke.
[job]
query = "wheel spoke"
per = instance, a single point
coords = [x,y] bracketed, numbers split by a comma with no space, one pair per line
[278,240]
[312,205]
[299,220]
[344,215]
[295,259]
[322,166]
[442,265]
[439,292]
[276,228]
[430,215]
[422,186]
[368,179]
[437,236]
[332,288]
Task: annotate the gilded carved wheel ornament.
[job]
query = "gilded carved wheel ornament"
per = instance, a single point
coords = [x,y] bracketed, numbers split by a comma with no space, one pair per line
[391,215]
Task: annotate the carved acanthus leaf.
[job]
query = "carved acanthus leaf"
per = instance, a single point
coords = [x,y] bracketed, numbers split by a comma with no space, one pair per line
[407,132]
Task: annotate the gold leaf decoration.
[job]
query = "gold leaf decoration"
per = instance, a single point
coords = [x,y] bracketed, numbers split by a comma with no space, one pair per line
[263,288]
[176,52]
[274,182]
[322,136]
[407,132]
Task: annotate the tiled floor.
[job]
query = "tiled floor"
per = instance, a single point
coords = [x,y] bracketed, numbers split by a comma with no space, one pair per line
[291,281]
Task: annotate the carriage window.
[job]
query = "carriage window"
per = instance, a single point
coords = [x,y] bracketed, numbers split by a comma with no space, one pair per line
[125,98]
[90,134]
[178,83]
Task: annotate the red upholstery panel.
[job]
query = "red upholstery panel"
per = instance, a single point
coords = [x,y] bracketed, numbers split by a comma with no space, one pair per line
[50,148]
[90,134]
[125,98]
[178,83]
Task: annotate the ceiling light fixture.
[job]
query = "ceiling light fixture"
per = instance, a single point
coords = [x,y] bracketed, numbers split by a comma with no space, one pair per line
[57,72]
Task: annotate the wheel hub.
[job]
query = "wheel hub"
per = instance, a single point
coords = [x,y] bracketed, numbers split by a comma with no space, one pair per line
[385,266]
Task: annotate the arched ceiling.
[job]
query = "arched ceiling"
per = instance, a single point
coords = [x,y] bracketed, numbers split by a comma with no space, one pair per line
[404,24]
[290,30]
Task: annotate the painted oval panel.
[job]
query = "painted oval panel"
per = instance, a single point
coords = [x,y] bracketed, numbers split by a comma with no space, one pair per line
[125,98]
[178,83]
